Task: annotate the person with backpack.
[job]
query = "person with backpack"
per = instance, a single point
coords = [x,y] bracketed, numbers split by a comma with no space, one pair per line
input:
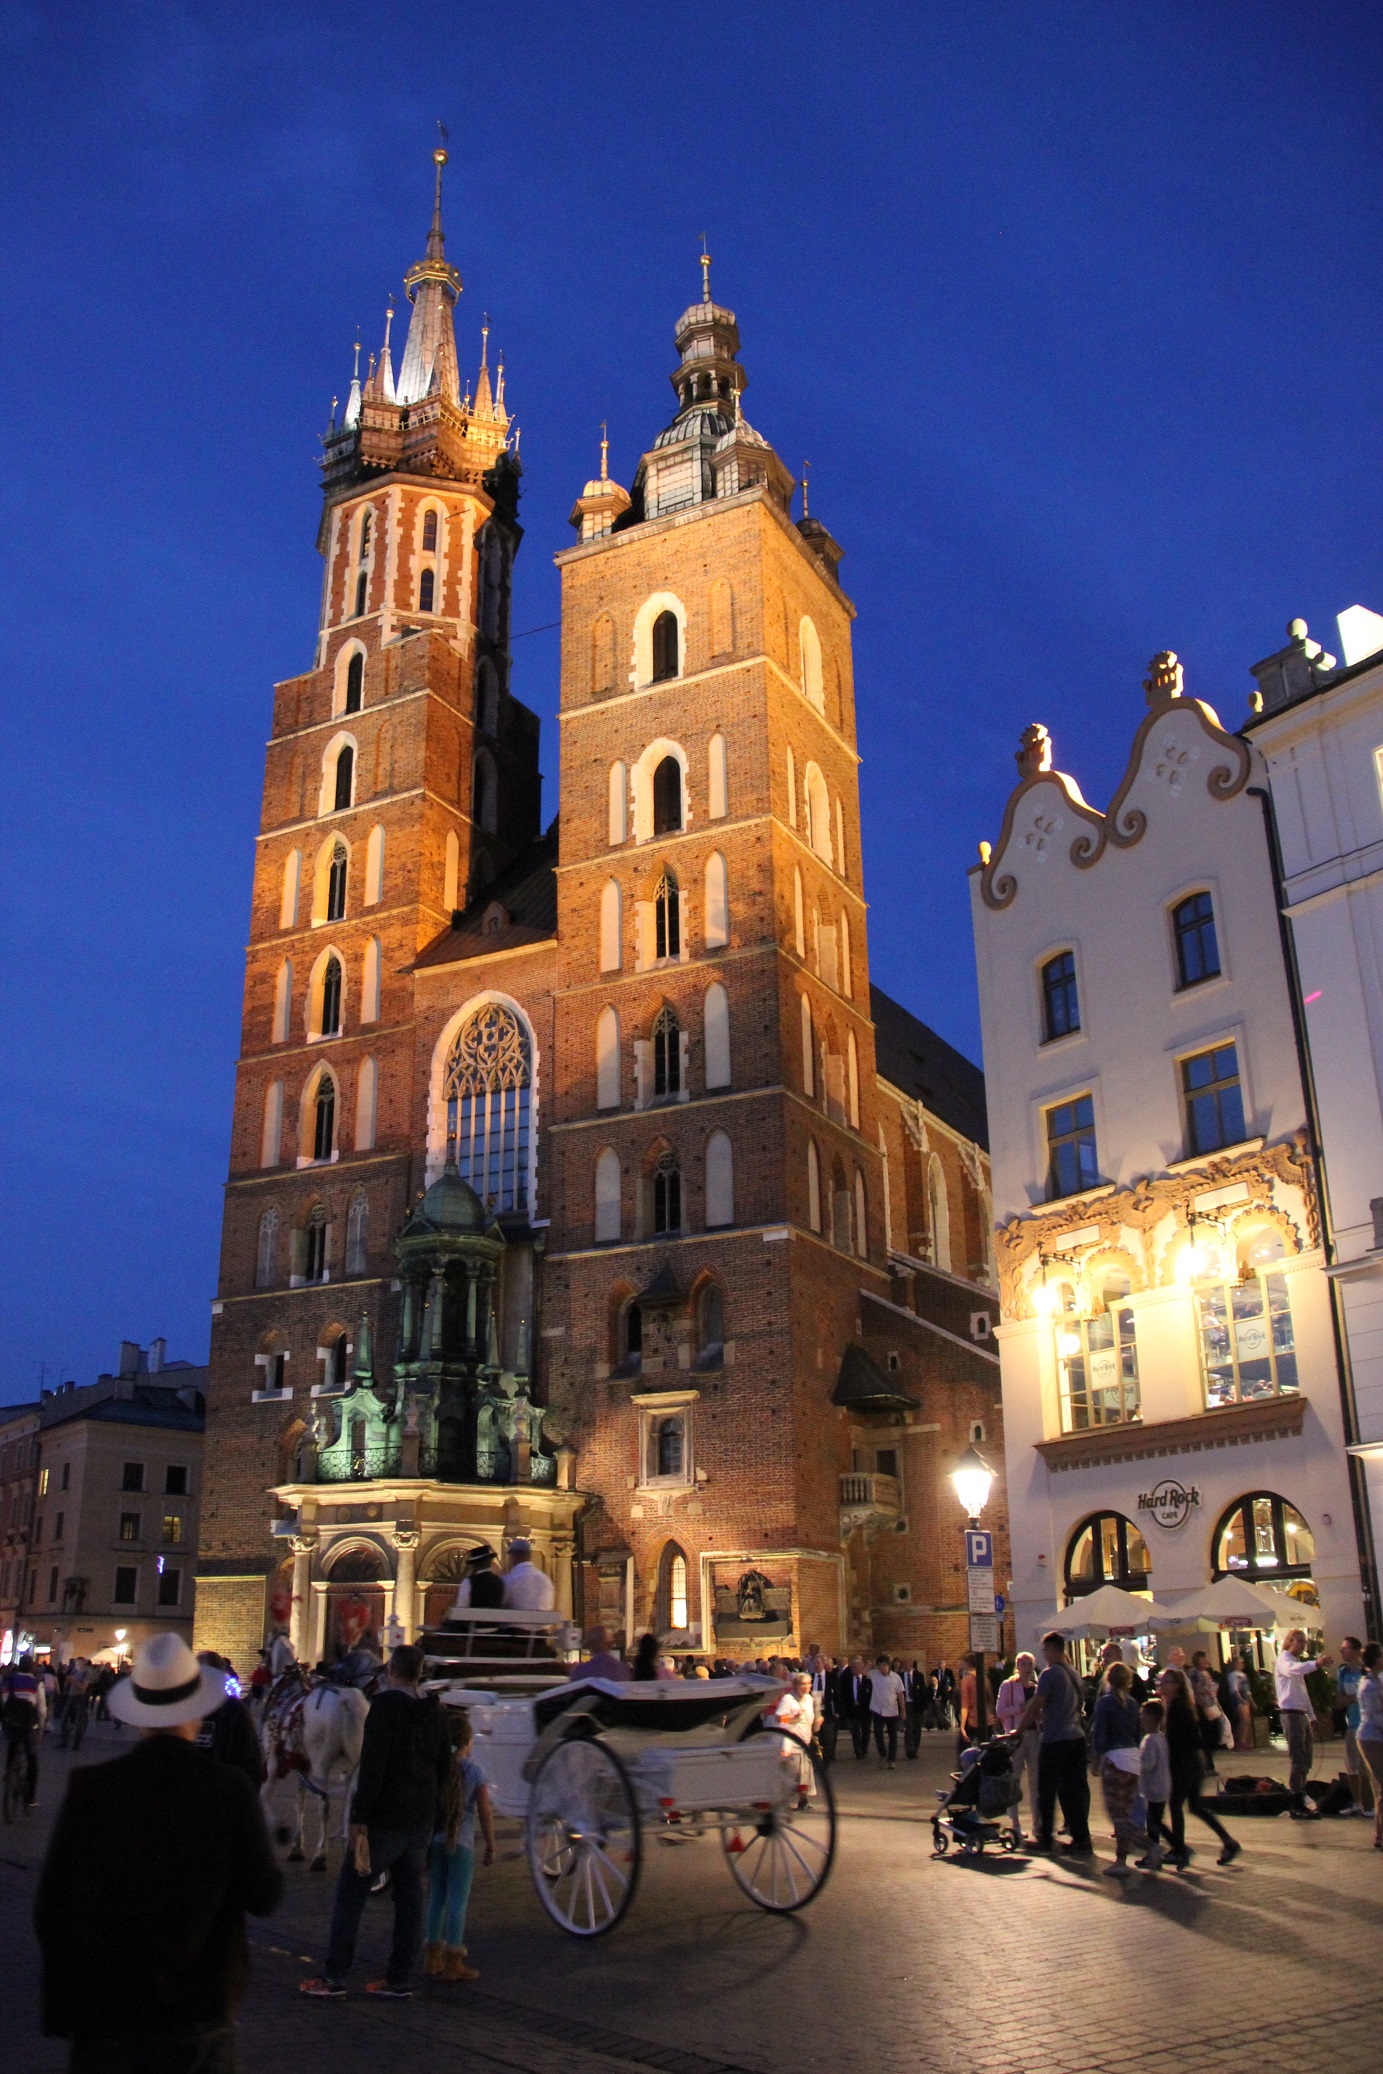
[22,1708]
[1056,1708]
[404,1761]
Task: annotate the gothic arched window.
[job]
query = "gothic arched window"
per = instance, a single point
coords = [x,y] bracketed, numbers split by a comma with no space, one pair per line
[331,997]
[667,789]
[429,532]
[336,884]
[345,777]
[666,642]
[266,1259]
[710,1326]
[667,917]
[315,1249]
[486,1087]
[667,1194]
[358,1234]
[355,682]
[667,1053]
[324,1119]
[426,586]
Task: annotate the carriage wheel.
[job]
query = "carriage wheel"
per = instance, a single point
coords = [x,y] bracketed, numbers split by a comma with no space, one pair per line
[941,1842]
[584,1846]
[781,1856]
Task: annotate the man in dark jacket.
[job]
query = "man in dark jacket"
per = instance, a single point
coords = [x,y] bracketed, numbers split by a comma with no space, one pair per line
[229,1733]
[403,1765]
[852,1688]
[153,1861]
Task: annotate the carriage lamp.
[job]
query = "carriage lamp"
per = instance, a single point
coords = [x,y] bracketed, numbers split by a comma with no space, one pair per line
[971,1479]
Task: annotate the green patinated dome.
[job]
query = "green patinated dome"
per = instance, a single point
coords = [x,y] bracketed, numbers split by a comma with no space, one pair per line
[452,1205]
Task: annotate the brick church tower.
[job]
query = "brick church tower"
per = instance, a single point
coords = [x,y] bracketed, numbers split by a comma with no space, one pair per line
[581,1184]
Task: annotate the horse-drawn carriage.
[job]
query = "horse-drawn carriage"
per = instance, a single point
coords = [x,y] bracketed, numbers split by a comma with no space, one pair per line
[593,1768]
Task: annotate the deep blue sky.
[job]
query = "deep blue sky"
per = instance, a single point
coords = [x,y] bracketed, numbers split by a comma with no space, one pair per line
[1074,310]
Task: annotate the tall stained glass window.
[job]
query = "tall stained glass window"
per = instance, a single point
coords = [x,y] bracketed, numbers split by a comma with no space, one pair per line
[487,1087]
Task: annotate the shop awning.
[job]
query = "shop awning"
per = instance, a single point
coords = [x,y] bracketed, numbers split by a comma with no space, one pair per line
[1231,1600]
[1109,1611]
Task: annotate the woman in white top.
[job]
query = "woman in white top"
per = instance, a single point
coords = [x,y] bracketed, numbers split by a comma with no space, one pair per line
[1369,1735]
[796,1713]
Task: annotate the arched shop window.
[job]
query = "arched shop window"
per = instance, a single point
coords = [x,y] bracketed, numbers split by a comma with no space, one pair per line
[1106,1549]
[1265,1539]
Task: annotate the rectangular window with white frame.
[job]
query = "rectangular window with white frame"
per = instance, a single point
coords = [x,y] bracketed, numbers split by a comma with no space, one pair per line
[1072,1165]
[1213,1100]
[665,1440]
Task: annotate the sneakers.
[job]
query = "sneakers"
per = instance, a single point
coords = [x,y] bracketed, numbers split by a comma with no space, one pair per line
[1118,1871]
[1306,1814]
[1230,1852]
[1152,1863]
[385,1991]
[323,1990]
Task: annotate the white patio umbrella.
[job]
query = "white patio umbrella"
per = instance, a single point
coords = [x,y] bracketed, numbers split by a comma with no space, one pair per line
[1106,1610]
[1229,1599]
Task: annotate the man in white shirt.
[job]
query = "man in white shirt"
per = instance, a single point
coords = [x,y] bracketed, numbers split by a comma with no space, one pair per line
[885,1707]
[1290,1674]
[527,1588]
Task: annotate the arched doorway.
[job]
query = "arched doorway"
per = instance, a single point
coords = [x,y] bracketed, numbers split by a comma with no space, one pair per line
[1106,1548]
[444,1573]
[356,1607]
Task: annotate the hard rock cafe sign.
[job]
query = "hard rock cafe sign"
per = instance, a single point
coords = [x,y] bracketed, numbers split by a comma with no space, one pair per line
[1169,1503]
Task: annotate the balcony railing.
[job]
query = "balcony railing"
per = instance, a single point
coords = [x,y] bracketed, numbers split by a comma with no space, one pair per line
[363,1465]
[870,1492]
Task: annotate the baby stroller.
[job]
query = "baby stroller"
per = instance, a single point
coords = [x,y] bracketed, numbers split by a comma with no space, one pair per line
[985,1791]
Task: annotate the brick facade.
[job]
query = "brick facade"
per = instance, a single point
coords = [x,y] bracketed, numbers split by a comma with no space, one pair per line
[756,718]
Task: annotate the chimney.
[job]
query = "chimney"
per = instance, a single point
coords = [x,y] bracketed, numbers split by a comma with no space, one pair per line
[131,1358]
[158,1349]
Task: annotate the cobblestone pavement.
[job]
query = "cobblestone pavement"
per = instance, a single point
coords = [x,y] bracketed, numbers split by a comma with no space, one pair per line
[1000,1967]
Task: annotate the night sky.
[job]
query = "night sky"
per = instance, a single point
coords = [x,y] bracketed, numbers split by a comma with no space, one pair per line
[1074,310]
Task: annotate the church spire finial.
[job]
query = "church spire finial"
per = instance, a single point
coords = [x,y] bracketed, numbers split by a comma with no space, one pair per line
[604,453]
[705,270]
[806,466]
[429,357]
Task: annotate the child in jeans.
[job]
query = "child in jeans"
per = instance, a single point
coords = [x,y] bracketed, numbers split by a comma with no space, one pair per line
[451,1855]
[1156,1774]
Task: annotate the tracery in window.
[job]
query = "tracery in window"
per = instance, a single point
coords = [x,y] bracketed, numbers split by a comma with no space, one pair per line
[331,997]
[336,884]
[486,1086]
[667,917]
[667,1053]
[267,1251]
[667,1194]
[358,1234]
[324,1118]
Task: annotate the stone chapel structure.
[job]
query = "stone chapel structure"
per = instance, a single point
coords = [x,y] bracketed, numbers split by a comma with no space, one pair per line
[581,1185]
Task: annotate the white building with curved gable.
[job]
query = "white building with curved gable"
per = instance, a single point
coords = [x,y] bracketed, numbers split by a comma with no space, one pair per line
[1319,729]
[1173,1406]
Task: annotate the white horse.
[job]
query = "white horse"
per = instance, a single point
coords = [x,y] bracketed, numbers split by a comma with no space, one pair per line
[311,1735]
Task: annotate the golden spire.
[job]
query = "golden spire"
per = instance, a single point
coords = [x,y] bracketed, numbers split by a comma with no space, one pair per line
[806,514]
[705,270]
[604,454]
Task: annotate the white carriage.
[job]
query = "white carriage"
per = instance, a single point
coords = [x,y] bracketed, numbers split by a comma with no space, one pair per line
[593,1768]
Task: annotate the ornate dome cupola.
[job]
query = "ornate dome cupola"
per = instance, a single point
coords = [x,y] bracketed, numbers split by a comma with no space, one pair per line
[709,450]
[602,502]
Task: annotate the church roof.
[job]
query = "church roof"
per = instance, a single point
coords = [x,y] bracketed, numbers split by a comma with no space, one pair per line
[912,1056]
[517,907]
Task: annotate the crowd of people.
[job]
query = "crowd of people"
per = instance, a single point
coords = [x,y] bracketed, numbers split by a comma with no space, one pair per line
[149,1970]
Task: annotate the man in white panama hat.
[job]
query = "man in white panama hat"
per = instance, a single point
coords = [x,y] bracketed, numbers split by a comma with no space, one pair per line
[154,1859]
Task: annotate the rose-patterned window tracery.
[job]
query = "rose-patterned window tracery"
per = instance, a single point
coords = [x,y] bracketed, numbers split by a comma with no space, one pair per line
[487,1087]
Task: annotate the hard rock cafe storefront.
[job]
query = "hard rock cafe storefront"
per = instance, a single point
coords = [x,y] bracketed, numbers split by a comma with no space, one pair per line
[1260,1536]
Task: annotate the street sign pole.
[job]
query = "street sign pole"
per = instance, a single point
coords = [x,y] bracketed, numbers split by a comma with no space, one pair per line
[979,1578]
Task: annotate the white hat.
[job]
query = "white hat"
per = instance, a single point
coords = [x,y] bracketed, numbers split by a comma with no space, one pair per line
[166,1687]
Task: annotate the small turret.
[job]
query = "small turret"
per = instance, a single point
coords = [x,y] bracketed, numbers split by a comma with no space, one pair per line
[602,502]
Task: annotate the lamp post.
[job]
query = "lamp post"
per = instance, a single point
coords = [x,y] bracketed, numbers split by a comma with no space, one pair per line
[971,1480]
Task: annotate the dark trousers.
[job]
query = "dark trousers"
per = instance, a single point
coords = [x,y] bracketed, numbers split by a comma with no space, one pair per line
[912,1732]
[404,1856]
[1061,1776]
[1179,1803]
[859,1734]
[200,2049]
[827,1736]
[1156,1827]
[27,1739]
[886,1724]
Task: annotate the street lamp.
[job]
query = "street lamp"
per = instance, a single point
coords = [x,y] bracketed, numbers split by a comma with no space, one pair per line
[971,1480]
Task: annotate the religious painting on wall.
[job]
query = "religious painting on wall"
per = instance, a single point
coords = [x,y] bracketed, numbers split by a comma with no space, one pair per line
[751,1607]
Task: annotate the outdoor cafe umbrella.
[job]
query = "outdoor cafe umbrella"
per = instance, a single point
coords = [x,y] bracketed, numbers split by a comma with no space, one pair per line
[1229,1602]
[1109,1611]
